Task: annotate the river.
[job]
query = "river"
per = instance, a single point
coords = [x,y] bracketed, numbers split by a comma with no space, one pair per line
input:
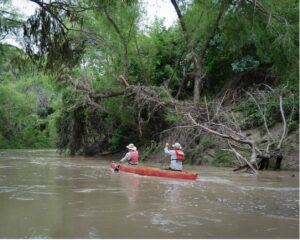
[45,195]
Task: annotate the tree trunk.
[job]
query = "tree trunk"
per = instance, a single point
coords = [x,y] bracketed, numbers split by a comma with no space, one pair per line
[197,59]
[188,41]
[197,84]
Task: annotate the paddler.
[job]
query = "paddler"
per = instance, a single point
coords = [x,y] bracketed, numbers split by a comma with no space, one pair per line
[132,156]
[177,156]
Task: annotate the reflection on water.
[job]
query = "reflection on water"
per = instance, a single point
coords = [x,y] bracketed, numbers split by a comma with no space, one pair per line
[44,195]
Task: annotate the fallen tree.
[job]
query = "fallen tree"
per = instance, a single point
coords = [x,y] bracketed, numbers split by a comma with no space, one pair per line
[219,119]
[152,108]
[260,151]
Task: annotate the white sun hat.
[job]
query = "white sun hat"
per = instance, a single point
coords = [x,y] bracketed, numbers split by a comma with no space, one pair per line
[131,147]
[177,145]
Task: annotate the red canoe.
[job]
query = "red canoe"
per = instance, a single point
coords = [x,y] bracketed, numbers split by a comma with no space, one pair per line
[147,171]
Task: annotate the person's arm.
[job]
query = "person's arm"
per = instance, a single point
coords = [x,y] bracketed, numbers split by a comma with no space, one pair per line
[166,149]
[125,158]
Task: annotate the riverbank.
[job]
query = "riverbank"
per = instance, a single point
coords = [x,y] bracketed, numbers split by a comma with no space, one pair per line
[210,153]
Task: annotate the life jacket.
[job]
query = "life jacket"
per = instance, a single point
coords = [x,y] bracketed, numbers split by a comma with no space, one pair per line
[179,154]
[134,157]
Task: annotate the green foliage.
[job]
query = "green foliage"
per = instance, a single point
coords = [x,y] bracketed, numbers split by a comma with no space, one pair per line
[268,101]
[171,118]
[223,159]
[121,122]
[158,57]
[208,143]
[148,150]
[116,139]
[118,112]
[245,63]
[21,126]
[25,103]
[47,38]
[249,40]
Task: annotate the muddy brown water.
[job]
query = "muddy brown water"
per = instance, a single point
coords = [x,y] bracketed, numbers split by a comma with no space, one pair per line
[45,195]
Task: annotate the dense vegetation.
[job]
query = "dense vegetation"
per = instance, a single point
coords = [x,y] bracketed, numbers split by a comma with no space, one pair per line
[62,88]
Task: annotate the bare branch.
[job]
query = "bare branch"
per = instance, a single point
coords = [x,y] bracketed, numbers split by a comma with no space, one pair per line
[262,114]
[219,107]
[124,81]
[211,35]
[244,141]
[262,9]
[243,158]
[284,122]
[207,112]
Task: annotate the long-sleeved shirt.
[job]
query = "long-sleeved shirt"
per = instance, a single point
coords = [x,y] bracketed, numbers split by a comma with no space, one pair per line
[127,158]
[174,164]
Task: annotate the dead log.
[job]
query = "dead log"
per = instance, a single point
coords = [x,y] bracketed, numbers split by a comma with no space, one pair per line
[246,168]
